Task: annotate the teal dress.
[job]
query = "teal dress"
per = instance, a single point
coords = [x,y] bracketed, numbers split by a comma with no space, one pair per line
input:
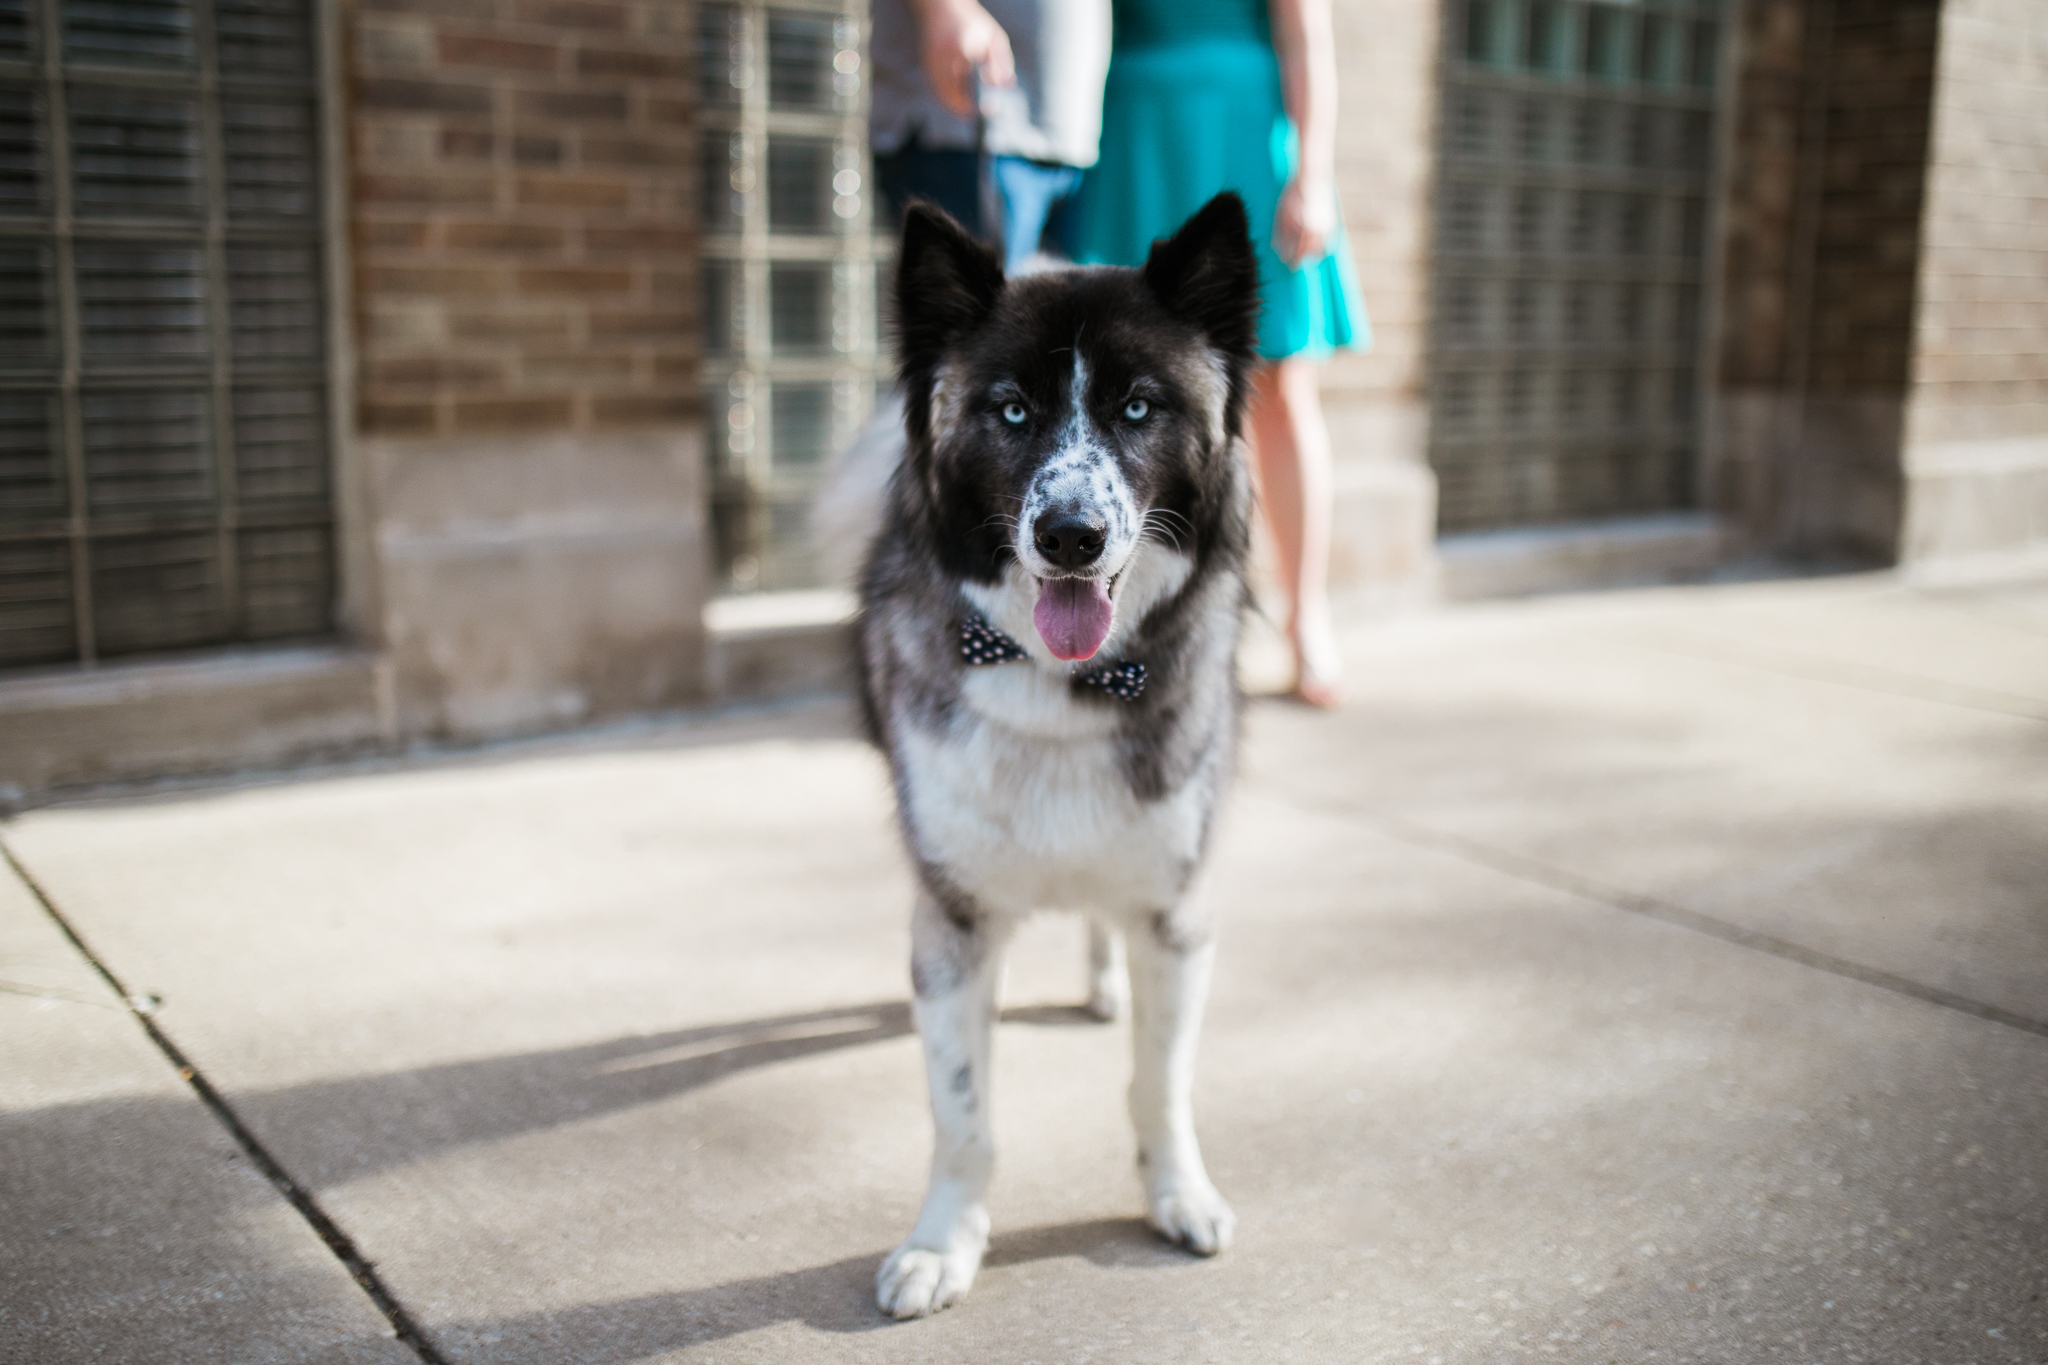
[1192,108]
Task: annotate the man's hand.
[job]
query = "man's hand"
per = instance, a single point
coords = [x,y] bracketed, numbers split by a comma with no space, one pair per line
[958,36]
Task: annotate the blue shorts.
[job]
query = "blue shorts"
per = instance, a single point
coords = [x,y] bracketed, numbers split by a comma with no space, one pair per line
[1036,197]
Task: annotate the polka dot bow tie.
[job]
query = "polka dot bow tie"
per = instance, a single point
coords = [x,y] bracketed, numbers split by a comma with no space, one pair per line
[981,643]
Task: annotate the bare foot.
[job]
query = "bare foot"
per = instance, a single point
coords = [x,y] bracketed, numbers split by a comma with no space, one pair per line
[1318,671]
[1321,695]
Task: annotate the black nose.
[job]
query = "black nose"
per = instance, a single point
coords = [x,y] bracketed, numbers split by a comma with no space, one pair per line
[1066,541]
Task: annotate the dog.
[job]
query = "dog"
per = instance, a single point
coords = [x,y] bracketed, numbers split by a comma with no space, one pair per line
[1049,617]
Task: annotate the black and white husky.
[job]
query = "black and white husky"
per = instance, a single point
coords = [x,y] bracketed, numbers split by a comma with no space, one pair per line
[1049,613]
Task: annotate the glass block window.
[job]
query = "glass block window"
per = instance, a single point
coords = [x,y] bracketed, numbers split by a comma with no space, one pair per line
[1571,241]
[164,447]
[789,273]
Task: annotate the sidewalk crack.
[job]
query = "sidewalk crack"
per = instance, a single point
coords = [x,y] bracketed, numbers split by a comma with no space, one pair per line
[1585,888]
[1823,669]
[301,1199]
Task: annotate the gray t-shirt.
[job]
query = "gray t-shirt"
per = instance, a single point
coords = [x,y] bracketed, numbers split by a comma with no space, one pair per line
[1054,111]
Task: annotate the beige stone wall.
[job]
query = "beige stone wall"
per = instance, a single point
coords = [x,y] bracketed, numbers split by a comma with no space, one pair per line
[1386,141]
[540,582]
[1980,364]
[1977,420]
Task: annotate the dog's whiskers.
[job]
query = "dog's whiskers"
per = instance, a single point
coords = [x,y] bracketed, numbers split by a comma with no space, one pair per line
[1163,533]
[1166,512]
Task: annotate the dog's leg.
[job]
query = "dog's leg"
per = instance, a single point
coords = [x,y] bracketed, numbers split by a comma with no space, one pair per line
[1169,985]
[1108,989]
[954,969]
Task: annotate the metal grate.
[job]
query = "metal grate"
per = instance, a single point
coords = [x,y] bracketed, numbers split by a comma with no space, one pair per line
[1571,238]
[163,392]
[789,272]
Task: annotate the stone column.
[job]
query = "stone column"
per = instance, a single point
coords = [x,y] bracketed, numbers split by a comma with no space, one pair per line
[529,435]
[1976,428]
[1384,548]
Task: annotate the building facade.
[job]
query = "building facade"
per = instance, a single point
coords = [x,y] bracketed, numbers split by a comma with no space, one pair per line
[376,372]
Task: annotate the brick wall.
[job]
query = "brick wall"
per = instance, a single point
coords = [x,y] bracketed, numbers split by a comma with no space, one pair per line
[524,241]
[1822,193]
[1880,77]
[1761,193]
[1847,494]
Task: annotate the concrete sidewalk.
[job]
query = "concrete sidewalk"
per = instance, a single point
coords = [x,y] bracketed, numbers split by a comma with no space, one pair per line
[1649,975]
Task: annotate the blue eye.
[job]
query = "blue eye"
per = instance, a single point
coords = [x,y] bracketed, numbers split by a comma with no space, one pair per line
[1014,414]
[1135,410]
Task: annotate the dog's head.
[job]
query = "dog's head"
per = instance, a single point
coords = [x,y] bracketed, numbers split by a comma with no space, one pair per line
[1062,418]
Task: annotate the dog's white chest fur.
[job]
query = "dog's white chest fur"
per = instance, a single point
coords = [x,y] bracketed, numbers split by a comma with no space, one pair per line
[1022,820]
[1023,800]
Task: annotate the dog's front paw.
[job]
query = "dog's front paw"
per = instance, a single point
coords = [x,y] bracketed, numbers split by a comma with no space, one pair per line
[1191,1213]
[915,1281]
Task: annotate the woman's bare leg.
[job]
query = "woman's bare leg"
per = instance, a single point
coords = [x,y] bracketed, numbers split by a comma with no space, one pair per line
[1292,447]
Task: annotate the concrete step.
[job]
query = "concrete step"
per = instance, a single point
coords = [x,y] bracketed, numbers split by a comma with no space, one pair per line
[1667,547]
[218,712]
[780,644]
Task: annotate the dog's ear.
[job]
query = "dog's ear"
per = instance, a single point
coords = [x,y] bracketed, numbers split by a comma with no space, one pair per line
[946,282]
[1207,274]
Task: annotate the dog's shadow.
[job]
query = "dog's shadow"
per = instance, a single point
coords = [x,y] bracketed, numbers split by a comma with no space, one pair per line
[467,1103]
[838,1298]
[333,1132]
[344,1130]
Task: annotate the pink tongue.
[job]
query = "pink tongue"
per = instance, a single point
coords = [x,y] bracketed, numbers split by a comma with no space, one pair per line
[1072,616]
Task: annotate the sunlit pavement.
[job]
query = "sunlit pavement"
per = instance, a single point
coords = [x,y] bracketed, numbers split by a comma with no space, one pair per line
[1659,974]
